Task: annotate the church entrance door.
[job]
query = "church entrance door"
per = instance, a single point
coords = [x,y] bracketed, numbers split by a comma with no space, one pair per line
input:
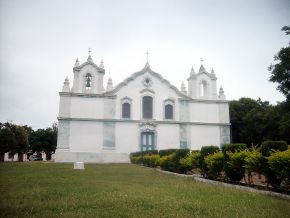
[147,141]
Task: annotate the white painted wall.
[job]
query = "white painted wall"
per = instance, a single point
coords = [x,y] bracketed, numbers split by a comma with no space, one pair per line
[127,137]
[224,114]
[202,135]
[204,112]
[167,136]
[87,107]
[86,136]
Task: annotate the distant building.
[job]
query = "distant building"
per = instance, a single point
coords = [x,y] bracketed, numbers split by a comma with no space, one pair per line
[144,112]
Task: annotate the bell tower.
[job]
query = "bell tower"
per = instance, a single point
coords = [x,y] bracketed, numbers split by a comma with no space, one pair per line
[202,85]
[88,77]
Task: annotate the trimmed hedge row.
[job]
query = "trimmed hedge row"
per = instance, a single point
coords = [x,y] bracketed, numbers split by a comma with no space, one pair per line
[233,162]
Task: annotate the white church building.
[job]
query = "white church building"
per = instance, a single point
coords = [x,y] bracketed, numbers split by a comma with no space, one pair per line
[144,112]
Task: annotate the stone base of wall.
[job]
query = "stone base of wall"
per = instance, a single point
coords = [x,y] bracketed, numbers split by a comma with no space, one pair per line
[65,156]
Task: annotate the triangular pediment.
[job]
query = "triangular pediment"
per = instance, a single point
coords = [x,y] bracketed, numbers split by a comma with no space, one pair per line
[148,70]
[91,63]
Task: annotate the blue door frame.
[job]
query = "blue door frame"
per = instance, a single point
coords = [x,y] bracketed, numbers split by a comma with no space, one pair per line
[147,141]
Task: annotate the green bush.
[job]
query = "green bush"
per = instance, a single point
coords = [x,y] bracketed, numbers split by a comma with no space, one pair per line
[233,147]
[137,157]
[166,152]
[151,160]
[268,146]
[167,163]
[279,163]
[137,160]
[191,161]
[204,151]
[235,165]
[171,161]
[214,165]
[254,161]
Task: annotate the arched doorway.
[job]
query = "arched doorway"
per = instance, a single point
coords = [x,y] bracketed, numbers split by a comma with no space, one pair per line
[147,141]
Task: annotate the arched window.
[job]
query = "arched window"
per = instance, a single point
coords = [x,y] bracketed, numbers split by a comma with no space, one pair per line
[88,84]
[168,111]
[147,104]
[126,110]
[203,89]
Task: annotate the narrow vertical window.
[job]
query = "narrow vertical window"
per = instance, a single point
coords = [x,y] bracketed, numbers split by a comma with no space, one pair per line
[147,103]
[203,87]
[126,110]
[88,81]
[168,111]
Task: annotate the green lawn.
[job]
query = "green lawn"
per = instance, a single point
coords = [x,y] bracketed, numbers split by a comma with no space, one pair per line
[121,190]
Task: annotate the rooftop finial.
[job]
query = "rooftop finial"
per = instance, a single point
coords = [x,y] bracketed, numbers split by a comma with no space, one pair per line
[65,87]
[212,71]
[201,61]
[102,64]
[77,64]
[90,58]
[147,54]
[109,84]
[183,88]
[192,71]
[222,94]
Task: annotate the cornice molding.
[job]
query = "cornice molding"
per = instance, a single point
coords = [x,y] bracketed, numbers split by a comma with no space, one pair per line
[155,122]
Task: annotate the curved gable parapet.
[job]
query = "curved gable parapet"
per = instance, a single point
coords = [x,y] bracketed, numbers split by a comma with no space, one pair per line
[147,69]
[79,68]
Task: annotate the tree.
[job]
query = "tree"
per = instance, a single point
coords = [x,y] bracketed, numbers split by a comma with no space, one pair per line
[7,140]
[44,140]
[256,121]
[22,144]
[280,72]
[247,120]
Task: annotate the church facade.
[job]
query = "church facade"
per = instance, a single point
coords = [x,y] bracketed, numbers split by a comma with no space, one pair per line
[144,112]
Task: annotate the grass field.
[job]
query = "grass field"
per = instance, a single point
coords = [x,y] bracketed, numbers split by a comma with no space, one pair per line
[122,190]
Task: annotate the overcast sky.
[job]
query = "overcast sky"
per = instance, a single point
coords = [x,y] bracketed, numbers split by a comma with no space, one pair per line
[40,40]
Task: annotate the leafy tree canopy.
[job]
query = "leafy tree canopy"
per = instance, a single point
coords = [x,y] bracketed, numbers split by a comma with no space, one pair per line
[280,72]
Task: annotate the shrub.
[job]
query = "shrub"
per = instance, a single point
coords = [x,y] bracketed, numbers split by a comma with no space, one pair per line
[279,163]
[235,165]
[167,163]
[142,153]
[214,165]
[151,160]
[191,161]
[204,151]
[136,160]
[166,152]
[254,161]
[233,147]
[174,159]
[268,146]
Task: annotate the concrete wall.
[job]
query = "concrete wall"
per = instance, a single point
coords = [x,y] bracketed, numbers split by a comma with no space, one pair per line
[127,137]
[167,136]
[86,136]
[202,135]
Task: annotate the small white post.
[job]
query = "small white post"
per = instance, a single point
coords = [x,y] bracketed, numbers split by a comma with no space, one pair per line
[79,166]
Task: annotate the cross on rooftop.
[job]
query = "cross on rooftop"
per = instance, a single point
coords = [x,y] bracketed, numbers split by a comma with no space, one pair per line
[147,54]
[90,51]
[201,60]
